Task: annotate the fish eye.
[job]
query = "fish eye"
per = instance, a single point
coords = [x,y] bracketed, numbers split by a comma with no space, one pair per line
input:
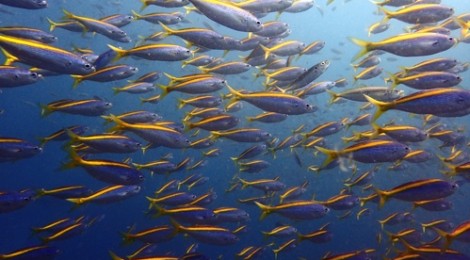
[17,76]
[258,22]
[451,39]
[34,75]
[326,210]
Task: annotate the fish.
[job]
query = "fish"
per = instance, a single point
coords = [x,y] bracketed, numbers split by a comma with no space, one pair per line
[107,195]
[212,235]
[12,149]
[228,14]
[244,135]
[85,107]
[408,44]
[437,64]
[40,251]
[438,101]
[422,13]
[373,151]
[154,133]
[427,80]
[106,74]
[310,75]
[358,94]
[106,170]
[15,200]
[297,210]
[265,185]
[157,234]
[44,56]
[161,52]
[101,27]
[413,190]
[26,4]
[28,33]
[274,102]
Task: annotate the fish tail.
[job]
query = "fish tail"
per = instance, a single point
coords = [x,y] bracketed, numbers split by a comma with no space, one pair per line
[116,91]
[265,210]
[462,24]
[74,137]
[119,123]
[365,45]
[381,107]
[144,4]
[234,92]
[52,24]
[214,135]
[165,90]
[178,227]
[170,77]
[377,130]
[127,239]
[394,79]
[334,96]
[45,110]
[448,238]
[168,30]
[181,103]
[67,14]
[331,155]
[452,169]
[137,166]
[387,14]
[77,79]
[244,183]
[383,197]
[76,201]
[136,15]
[119,52]
[114,256]
[266,50]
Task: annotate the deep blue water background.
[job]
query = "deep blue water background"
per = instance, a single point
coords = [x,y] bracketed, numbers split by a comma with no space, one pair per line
[22,119]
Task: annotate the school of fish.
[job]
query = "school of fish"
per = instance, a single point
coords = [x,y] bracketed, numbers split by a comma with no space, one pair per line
[212,130]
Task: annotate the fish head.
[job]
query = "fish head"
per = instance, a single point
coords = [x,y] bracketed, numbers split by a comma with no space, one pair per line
[82,68]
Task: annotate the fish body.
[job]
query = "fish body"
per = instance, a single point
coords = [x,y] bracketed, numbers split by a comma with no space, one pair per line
[298,210]
[244,135]
[44,56]
[86,107]
[12,149]
[439,101]
[310,75]
[110,31]
[275,102]
[373,151]
[25,4]
[419,190]
[107,171]
[108,194]
[408,44]
[422,13]
[14,77]
[28,33]
[14,200]
[161,52]
[228,14]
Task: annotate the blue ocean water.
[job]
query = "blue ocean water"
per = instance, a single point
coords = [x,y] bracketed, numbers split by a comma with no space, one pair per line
[21,119]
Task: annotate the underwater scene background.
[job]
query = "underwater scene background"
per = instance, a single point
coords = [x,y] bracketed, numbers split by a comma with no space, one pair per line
[352,227]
